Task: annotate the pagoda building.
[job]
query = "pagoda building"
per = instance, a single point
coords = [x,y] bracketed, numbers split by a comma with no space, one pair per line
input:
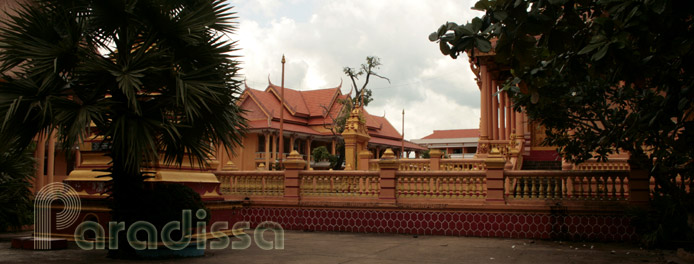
[454,143]
[308,123]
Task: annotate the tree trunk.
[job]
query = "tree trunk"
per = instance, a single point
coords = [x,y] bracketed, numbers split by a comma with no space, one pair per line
[126,206]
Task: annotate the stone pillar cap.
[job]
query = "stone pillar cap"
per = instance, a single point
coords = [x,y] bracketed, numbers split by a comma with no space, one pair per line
[388,154]
[435,153]
[294,155]
[294,161]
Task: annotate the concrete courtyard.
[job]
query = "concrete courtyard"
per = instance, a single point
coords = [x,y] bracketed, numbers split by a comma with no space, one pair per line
[331,247]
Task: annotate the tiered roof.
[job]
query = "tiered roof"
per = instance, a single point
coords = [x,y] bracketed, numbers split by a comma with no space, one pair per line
[310,112]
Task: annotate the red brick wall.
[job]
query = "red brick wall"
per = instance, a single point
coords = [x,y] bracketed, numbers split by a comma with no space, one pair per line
[508,225]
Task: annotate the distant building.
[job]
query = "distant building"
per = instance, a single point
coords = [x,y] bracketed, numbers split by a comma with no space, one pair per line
[308,119]
[456,143]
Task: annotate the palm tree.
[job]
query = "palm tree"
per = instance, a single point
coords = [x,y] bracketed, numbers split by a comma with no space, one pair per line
[16,172]
[154,77]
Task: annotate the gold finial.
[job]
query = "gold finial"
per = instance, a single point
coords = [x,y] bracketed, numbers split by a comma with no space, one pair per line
[388,154]
[294,155]
[283,61]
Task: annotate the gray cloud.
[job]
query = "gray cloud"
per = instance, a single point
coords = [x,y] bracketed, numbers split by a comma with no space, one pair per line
[319,38]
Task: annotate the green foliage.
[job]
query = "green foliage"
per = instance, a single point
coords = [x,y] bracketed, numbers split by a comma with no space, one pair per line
[338,125]
[335,161]
[154,77]
[176,197]
[16,204]
[617,74]
[425,154]
[664,222]
[320,154]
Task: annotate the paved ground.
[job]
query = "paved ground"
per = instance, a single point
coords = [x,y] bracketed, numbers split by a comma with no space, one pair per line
[328,247]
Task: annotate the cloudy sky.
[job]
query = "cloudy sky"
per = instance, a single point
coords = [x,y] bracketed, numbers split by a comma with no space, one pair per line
[320,37]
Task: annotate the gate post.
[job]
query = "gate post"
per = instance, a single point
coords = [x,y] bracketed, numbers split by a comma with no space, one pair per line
[292,165]
[639,185]
[388,165]
[435,159]
[495,177]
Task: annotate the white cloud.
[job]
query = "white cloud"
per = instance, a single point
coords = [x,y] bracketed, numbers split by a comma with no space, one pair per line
[433,111]
[319,38]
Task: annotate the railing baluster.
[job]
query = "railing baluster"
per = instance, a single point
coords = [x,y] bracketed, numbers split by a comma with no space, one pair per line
[590,187]
[544,185]
[621,187]
[582,193]
[613,190]
[526,189]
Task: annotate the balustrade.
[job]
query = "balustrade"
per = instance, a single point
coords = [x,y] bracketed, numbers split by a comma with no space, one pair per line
[373,164]
[339,183]
[571,185]
[462,165]
[610,165]
[458,180]
[441,185]
[685,184]
[414,165]
[252,183]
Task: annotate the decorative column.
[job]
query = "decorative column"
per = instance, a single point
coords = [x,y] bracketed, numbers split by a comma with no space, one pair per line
[388,165]
[356,137]
[526,127]
[40,156]
[519,124]
[484,107]
[267,149]
[292,165]
[495,177]
[509,116]
[512,114]
[272,146]
[495,112]
[276,148]
[308,153]
[502,116]
[220,156]
[51,157]
[490,109]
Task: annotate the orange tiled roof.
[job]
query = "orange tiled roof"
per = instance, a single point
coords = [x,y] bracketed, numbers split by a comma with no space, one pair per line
[395,143]
[453,133]
[316,100]
[383,127]
[292,99]
[307,108]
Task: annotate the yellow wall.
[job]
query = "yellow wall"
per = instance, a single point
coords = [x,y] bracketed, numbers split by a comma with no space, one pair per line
[244,157]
